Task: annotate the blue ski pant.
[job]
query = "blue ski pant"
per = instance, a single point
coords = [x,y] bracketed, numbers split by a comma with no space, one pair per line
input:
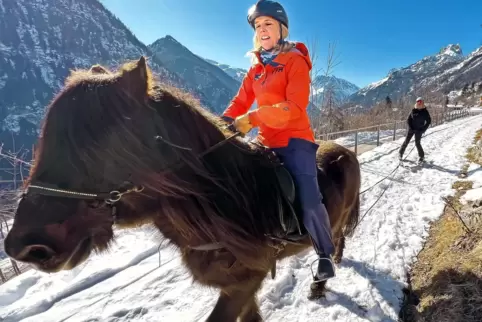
[299,158]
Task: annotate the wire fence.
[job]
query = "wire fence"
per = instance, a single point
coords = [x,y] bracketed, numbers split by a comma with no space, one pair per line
[363,139]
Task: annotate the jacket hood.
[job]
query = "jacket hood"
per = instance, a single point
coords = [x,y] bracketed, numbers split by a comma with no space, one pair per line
[303,51]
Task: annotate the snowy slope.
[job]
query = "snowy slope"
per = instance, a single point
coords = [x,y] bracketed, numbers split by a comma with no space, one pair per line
[127,284]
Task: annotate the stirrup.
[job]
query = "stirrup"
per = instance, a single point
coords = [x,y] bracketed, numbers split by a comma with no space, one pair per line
[317,278]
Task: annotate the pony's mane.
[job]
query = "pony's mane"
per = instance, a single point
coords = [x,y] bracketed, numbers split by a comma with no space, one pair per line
[95,101]
[113,119]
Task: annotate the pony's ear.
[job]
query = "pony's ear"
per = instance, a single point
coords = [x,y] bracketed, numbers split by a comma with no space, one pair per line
[136,77]
[98,69]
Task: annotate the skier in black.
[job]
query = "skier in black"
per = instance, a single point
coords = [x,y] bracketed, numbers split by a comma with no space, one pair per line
[418,122]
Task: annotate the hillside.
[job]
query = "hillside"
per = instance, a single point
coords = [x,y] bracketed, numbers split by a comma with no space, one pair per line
[446,278]
[42,40]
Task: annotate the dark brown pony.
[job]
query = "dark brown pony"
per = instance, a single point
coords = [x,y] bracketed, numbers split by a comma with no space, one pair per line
[118,148]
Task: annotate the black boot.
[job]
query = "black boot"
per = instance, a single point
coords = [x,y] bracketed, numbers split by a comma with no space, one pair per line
[326,269]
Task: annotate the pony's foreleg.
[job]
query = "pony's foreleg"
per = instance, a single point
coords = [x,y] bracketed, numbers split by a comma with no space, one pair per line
[236,301]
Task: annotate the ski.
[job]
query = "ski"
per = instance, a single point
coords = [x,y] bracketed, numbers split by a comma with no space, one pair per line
[414,166]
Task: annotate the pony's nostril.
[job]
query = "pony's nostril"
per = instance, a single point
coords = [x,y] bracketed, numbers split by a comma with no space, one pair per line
[36,254]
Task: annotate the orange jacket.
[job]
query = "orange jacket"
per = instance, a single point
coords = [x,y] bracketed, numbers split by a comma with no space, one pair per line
[282,90]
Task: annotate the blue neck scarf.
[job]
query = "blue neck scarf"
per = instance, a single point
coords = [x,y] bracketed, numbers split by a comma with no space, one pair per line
[267,56]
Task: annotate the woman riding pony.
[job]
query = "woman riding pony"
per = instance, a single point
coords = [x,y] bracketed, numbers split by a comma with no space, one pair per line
[279,80]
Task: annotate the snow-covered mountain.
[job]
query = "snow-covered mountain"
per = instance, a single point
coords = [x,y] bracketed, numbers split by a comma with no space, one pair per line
[217,86]
[41,40]
[443,72]
[340,88]
[236,73]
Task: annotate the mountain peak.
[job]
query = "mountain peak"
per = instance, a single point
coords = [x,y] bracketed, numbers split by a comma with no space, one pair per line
[342,88]
[451,50]
[168,39]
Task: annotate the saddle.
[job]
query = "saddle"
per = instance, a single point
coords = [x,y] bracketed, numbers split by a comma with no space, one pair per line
[289,208]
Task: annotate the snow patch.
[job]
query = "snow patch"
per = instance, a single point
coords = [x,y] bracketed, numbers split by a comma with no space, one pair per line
[376,84]
[471,195]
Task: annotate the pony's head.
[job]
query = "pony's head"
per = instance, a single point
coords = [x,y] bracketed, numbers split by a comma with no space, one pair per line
[108,144]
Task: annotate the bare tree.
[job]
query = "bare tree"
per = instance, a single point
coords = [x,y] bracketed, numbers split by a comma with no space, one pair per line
[315,69]
[330,105]
[8,200]
[314,107]
[18,166]
[327,116]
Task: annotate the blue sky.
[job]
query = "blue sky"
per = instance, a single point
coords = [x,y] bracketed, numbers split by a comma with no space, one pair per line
[372,36]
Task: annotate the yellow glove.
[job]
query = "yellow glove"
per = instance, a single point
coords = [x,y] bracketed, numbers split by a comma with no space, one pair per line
[242,123]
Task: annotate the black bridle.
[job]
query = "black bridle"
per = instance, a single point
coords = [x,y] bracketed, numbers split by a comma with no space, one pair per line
[109,198]
[114,196]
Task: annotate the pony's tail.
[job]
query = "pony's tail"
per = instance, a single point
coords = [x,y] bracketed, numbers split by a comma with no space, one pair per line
[349,162]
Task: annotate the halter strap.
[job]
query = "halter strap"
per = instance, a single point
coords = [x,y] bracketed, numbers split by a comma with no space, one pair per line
[109,197]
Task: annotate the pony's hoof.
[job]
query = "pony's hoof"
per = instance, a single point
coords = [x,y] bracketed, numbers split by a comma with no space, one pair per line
[337,259]
[317,291]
